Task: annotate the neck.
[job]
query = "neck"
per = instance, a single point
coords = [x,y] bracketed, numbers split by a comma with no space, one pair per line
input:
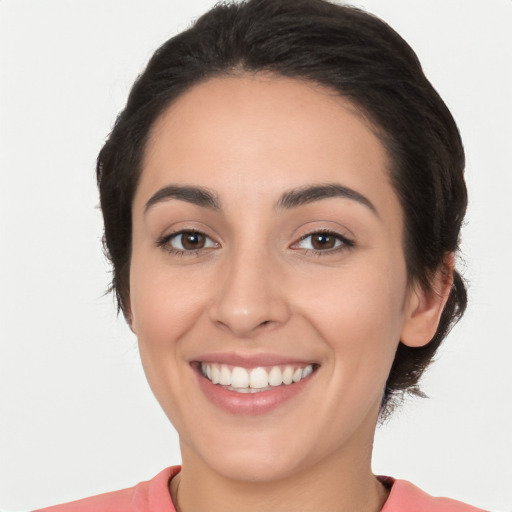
[341,483]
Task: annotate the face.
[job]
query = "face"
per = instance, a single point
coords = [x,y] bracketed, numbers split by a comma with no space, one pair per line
[268,286]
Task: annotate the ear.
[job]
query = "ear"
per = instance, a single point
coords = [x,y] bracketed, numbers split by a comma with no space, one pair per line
[424,307]
[128,315]
[131,323]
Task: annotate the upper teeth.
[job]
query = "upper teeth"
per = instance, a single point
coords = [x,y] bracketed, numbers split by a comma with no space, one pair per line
[258,378]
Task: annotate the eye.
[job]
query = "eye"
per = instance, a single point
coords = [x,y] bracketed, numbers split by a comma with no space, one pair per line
[324,241]
[186,241]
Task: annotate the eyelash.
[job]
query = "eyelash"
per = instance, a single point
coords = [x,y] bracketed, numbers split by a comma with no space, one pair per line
[164,243]
[345,243]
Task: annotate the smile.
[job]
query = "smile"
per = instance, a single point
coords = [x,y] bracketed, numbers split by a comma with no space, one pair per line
[255,380]
[252,385]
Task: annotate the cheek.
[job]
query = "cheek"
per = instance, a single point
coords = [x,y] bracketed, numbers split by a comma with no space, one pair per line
[165,308]
[361,299]
[360,316]
[163,305]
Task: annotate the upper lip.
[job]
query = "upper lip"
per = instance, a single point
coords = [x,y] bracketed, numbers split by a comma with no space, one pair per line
[250,360]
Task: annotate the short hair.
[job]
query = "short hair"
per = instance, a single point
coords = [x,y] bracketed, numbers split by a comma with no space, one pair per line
[362,59]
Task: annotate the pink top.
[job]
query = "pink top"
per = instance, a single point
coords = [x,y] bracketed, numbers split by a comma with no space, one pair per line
[154,496]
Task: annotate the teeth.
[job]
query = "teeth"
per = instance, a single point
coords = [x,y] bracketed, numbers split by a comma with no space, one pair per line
[215,374]
[297,375]
[225,376]
[258,379]
[288,375]
[239,377]
[275,376]
[307,371]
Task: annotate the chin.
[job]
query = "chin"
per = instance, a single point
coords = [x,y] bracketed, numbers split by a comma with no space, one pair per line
[250,466]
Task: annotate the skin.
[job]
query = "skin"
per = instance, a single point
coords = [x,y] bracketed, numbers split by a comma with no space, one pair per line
[257,287]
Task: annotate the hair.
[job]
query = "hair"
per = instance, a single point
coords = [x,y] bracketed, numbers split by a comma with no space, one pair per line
[359,57]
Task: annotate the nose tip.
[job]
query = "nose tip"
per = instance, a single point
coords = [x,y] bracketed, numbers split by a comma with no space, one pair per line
[249,300]
[242,323]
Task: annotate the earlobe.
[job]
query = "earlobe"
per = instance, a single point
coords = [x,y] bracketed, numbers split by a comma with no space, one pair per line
[128,315]
[425,306]
[131,323]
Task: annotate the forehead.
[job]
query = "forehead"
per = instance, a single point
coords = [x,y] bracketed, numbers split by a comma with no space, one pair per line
[267,134]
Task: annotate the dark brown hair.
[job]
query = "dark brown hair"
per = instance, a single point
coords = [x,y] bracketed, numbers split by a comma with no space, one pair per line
[359,57]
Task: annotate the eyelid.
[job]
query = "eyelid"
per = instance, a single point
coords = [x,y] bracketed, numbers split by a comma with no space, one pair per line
[346,242]
[343,242]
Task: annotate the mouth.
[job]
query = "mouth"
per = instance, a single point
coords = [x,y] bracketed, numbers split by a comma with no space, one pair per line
[249,387]
[259,379]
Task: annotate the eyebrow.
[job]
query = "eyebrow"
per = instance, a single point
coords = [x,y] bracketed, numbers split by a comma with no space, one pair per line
[312,193]
[199,196]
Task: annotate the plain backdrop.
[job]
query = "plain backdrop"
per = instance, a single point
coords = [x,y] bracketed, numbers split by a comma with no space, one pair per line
[76,415]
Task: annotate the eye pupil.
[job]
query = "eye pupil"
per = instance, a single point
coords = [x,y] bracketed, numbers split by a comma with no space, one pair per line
[323,241]
[192,240]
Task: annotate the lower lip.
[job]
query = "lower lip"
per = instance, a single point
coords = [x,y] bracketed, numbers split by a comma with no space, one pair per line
[251,403]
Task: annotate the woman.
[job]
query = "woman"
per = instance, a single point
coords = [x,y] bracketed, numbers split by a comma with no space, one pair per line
[282,198]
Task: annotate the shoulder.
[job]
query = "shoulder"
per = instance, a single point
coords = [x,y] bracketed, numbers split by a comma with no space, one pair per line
[405,496]
[145,496]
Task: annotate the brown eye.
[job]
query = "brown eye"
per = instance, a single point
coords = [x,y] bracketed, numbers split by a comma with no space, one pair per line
[324,241]
[191,241]
[183,242]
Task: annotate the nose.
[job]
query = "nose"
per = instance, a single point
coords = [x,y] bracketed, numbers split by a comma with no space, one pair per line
[250,295]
